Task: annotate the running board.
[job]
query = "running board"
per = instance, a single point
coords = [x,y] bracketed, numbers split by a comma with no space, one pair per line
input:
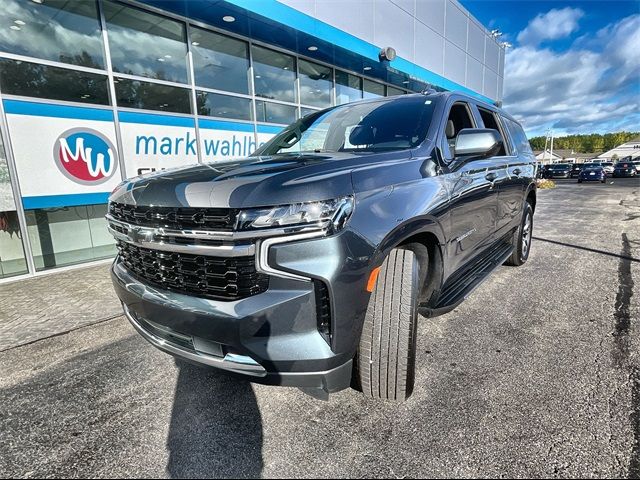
[462,283]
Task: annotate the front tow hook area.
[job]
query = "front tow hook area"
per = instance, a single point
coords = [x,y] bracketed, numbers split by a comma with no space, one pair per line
[193,349]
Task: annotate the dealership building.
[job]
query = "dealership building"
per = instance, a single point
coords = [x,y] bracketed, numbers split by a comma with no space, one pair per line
[96,91]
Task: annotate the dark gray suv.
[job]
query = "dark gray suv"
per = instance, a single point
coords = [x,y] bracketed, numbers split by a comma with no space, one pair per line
[308,263]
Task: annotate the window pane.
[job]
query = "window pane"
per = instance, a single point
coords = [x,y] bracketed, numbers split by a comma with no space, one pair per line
[315,84]
[372,89]
[348,87]
[307,111]
[68,235]
[215,105]
[220,62]
[274,74]
[12,260]
[57,30]
[152,96]
[41,81]
[393,91]
[146,44]
[275,112]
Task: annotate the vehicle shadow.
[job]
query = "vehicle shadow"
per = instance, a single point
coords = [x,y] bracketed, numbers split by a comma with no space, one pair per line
[587,249]
[216,428]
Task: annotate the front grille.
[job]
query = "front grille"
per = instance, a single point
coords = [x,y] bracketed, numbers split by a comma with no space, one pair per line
[218,278]
[177,218]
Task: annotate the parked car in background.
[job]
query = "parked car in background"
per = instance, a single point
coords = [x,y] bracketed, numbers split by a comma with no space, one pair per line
[592,174]
[575,169]
[608,167]
[624,169]
[542,171]
[559,170]
[636,163]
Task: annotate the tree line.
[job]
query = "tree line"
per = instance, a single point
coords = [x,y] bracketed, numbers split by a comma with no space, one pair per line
[593,142]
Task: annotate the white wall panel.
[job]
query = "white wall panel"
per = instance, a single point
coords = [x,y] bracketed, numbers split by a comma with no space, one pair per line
[393,27]
[437,35]
[429,49]
[408,6]
[305,6]
[431,13]
[492,54]
[456,26]
[475,74]
[455,61]
[352,16]
[490,83]
[475,41]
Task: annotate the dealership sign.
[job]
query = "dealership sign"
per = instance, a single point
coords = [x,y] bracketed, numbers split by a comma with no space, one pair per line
[73,158]
[85,156]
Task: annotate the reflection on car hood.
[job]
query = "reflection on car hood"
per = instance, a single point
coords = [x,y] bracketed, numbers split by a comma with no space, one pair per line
[250,182]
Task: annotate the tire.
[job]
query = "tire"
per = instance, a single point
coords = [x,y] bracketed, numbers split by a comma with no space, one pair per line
[522,238]
[387,350]
[579,181]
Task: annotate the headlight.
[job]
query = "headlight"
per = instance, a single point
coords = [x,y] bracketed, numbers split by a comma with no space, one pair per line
[329,214]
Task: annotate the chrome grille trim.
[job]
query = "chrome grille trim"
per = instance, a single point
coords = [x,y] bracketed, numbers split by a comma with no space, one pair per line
[148,238]
[222,235]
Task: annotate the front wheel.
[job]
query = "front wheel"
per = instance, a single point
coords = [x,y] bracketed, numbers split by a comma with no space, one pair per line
[387,351]
[522,238]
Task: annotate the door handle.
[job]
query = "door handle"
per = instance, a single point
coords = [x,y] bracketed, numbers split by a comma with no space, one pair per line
[517,171]
[491,176]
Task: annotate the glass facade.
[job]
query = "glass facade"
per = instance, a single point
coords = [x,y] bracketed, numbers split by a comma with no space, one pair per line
[12,259]
[68,235]
[220,62]
[274,74]
[223,106]
[152,96]
[30,79]
[67,52]
[57,30]
[145,44]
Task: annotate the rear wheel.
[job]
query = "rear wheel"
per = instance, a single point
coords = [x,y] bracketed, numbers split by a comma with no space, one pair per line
[387,351]
[522,238]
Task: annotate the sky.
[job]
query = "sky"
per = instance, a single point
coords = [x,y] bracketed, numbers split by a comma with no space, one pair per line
[574,66]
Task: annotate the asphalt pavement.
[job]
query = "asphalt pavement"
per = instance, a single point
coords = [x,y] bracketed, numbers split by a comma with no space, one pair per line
[537,374]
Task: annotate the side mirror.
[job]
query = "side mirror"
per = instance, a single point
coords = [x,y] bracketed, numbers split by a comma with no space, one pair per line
[477,143]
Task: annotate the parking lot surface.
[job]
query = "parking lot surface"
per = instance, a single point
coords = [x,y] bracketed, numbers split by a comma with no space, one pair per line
[537,373]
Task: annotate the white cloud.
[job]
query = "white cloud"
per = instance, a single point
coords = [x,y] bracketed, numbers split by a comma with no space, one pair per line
[592,87]
[555,24]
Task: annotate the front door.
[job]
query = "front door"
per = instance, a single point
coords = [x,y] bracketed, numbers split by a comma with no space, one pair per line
[473,194]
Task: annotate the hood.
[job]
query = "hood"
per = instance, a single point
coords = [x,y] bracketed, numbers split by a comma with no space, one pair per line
[248,182]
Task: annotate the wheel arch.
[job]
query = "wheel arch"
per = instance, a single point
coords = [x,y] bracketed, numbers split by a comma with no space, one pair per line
[426,239]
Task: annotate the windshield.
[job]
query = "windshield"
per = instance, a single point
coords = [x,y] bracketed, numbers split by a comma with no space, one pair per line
[560,166]
[590,165]
[361,127]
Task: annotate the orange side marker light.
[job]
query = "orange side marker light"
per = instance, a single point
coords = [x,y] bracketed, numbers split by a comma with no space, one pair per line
[372,279]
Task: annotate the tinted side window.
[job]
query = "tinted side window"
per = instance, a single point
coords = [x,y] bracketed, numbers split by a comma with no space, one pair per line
[458,119]
[490,120]
[518,135]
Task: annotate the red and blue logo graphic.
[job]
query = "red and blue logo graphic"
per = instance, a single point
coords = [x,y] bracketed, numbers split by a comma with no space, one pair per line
[85,156]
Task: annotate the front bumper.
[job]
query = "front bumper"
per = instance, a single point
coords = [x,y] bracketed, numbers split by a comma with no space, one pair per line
[272,337]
